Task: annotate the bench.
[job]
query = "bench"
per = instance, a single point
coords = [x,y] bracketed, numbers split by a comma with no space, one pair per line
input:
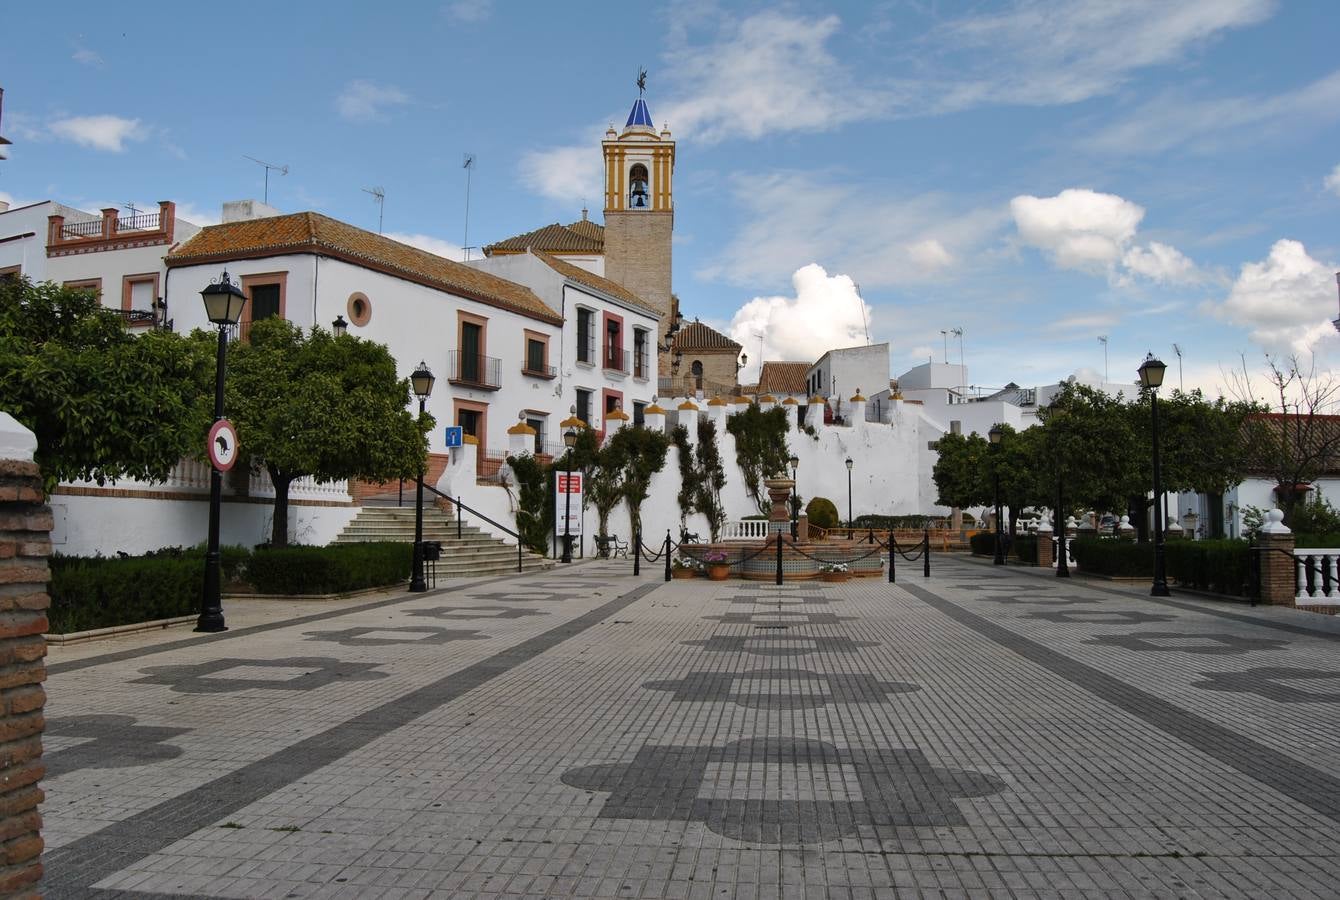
[609,545]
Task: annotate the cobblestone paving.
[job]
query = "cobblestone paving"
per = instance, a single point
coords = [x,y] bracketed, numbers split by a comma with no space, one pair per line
[982,733]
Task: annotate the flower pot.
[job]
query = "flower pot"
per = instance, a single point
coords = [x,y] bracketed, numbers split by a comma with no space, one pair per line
[718,571]
[834,576]
[679,572]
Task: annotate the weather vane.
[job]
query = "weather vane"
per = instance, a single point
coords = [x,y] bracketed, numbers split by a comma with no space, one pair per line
[641,82]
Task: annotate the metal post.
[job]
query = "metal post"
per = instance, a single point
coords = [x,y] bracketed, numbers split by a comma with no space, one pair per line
[567,514]
[1160,586]
[850,524]
[1000,547]
[892,551]
[211,603]
[926,554]
[637,552]
[667,554]
[416,582]
[779,557]
[519,557]
[1062,565]
[459,527]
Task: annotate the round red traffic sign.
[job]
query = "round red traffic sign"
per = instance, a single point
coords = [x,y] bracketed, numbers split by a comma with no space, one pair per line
[222,445]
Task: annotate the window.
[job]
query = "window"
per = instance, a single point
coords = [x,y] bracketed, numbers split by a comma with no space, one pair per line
[637,187]
[472,343]
[473,419]
[359,309]
[11,271]
[265,297]
[264,302]
[468,419]
[139,295]
[88,284]
[639,414]
[584,405]
[586,344]
[612,402]
[538,423]
[639,353]
[534,355]
[697,370]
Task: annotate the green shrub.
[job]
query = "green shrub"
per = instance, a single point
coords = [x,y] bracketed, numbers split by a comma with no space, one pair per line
[94,592]
[232,559]
[886,523]
[1223,567]
[336,569]
[822,512]
[1025,546]
[1110,556]
[983,543]
[1317,540]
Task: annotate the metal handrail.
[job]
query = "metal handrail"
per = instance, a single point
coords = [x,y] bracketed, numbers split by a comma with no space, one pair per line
[456,502]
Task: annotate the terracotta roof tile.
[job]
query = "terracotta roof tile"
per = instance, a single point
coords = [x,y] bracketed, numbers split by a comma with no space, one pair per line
[579,237]
[783,377]
[592,280]
[697,336]
[310,232]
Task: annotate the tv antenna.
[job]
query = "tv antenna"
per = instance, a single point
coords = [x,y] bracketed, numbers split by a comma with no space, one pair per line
[282,170]
[865,319]
[379,197]
[130,205]
[958,333]
[944,333]
[469,166]
[1102,339]
[1177,348]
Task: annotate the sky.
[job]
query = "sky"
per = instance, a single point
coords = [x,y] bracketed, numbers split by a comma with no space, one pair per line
[1036,174]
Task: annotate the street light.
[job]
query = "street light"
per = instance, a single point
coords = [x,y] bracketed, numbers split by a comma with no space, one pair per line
[850,533]
[995,435]
[795,498]
[569,441]
[339,327]
[223,305]
[421,380]
[1151,376]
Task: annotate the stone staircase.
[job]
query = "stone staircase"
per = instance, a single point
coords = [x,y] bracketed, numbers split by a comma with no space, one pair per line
[473,553]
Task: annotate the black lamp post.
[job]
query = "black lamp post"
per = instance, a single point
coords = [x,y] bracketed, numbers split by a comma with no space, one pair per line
[1151,376]
[421,379]
[1062,564]
[849,519]
[569,441]
[223,305]
[995,435]
[795,498]
[339,327]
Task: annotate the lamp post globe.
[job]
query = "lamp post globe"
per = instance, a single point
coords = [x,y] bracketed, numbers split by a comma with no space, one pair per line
[339,327]
[224,301]
[995,436]
[795,497]
[421,382]
[569,441]
[1151,377]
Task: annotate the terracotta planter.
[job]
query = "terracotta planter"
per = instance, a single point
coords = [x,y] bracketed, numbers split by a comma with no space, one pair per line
[678,572]
[718,571]
[835,576]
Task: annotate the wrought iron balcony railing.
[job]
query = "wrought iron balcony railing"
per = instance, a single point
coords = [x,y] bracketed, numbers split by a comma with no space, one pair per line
[474,370]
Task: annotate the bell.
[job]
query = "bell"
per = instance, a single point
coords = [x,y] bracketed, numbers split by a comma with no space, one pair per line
[639,195]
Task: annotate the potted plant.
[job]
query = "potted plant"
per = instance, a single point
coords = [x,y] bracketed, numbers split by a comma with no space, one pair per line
[718,569]
[684,567]
[834,571]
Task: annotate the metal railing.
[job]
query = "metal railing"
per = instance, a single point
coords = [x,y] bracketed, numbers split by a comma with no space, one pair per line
[82,229]
[137,318]
[474,370]
[457,506]
[586,348]
[140,222]
[539,371]
[615,360]
[488,466]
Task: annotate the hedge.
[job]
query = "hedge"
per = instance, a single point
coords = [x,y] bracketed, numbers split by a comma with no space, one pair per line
[1112,556]
[983,543]
[91,593]
[329,570]
[1327,541]
[1025,546]
[1222,566]
[823,513]
[887,523]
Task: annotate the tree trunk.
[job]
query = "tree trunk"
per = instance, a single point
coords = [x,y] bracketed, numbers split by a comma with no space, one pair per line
[279,526]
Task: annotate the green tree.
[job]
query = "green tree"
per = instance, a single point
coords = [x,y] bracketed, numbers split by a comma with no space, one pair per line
[711,478]
[104,403]
[961,474]
[760,448]
[321,406]
[604,484]
[642,452]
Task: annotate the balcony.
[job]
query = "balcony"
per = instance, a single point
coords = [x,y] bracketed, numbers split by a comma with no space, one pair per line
[538,371]
[473,370]
[111,232]
[614,360]
[641,367]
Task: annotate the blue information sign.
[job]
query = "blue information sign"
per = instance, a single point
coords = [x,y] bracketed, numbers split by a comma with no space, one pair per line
[455,436]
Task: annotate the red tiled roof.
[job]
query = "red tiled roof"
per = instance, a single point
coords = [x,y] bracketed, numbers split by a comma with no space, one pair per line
[579,237]
[784,377]
[592,280]
[697,336]
[310,232]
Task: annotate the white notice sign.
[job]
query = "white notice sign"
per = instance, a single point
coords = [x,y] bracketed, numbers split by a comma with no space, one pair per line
[568,499]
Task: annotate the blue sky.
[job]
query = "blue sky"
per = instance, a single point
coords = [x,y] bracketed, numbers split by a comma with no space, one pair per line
[1035,173]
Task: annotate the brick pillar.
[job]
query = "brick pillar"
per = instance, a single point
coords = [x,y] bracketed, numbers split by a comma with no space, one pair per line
[1045,548]
[25,544]
[1277,568]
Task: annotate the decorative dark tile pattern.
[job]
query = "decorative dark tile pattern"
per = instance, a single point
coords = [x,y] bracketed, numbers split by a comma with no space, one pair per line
[1273,684]
[209,678]
[735,790]
[1100,617]
[479,612]
[778,644]
[781,688]
[780,617]
[413,634]
[782,600]
[1178,642]
[1037,601]
[529,596]
[114,742]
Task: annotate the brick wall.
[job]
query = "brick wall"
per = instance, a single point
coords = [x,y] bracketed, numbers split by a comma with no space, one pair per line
[362,490]
[25,525]
[1277,569]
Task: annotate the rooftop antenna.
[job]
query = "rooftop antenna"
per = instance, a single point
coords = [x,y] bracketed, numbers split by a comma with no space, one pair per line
[1177,348]
[379,197]
[958,333]
[469,166]
[282,170]
[130,205]
[944,333]
[865,319]
[1102,339]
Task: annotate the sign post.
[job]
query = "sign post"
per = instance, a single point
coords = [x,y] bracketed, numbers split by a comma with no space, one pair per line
[568,509]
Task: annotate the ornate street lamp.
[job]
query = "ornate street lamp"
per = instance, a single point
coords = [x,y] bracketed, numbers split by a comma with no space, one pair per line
[421,380]
[569,441]
[1151,376]
[995,435]
[795,498]
[223,306]
[339,327]
[850,526]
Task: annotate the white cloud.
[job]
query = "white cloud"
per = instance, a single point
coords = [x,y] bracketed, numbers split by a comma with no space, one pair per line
[86,57]
[14,203]
[1083,322]
[1079,228]
[826,312]
[99,132]
[197,215]
[1287,299]
[468,12]
[1332,182]
[1161,263]
[367,101]
[930,255]
[445,249]
[564,173]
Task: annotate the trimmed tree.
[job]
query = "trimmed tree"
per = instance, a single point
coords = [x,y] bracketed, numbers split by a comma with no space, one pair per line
[320,406]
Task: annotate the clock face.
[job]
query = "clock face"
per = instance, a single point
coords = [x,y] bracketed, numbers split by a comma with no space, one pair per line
[222,445]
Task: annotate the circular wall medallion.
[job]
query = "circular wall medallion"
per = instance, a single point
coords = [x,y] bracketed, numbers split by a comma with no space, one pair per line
[359,308]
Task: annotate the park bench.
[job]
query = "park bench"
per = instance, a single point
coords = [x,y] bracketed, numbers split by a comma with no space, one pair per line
[609,545]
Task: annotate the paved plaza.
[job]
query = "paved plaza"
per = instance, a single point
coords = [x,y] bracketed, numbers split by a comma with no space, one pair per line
[582,732]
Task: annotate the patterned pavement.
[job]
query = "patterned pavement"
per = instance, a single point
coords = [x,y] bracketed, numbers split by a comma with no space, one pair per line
[986,732]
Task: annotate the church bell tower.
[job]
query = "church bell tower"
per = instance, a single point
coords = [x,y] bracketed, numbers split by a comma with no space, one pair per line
[640,212]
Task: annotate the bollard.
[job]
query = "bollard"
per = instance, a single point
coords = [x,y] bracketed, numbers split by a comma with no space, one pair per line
[891,554]
[1062,565]
[872,536]
[926,553]
[667,554]
[779,557]
[637,552]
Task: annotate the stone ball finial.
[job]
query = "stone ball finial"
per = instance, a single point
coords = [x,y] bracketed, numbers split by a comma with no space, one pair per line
[1275,523]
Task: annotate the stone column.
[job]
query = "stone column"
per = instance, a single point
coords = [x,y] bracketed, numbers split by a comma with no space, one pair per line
[25,544]
[856,410]
[688,418]
[654,417]
[520,439]
[1274,545]
[779,492]
[814,413]
[792,412]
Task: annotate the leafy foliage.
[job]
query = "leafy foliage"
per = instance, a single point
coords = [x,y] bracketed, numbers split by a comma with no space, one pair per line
[711,478]
[99,593]
[688,475]
[335,569]
[604,486]
[1110,556]
[642,454]
[532,523]
[1315,515]
[104,403]
[321,406]
[1223,567]
[822,512]
[760,448]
